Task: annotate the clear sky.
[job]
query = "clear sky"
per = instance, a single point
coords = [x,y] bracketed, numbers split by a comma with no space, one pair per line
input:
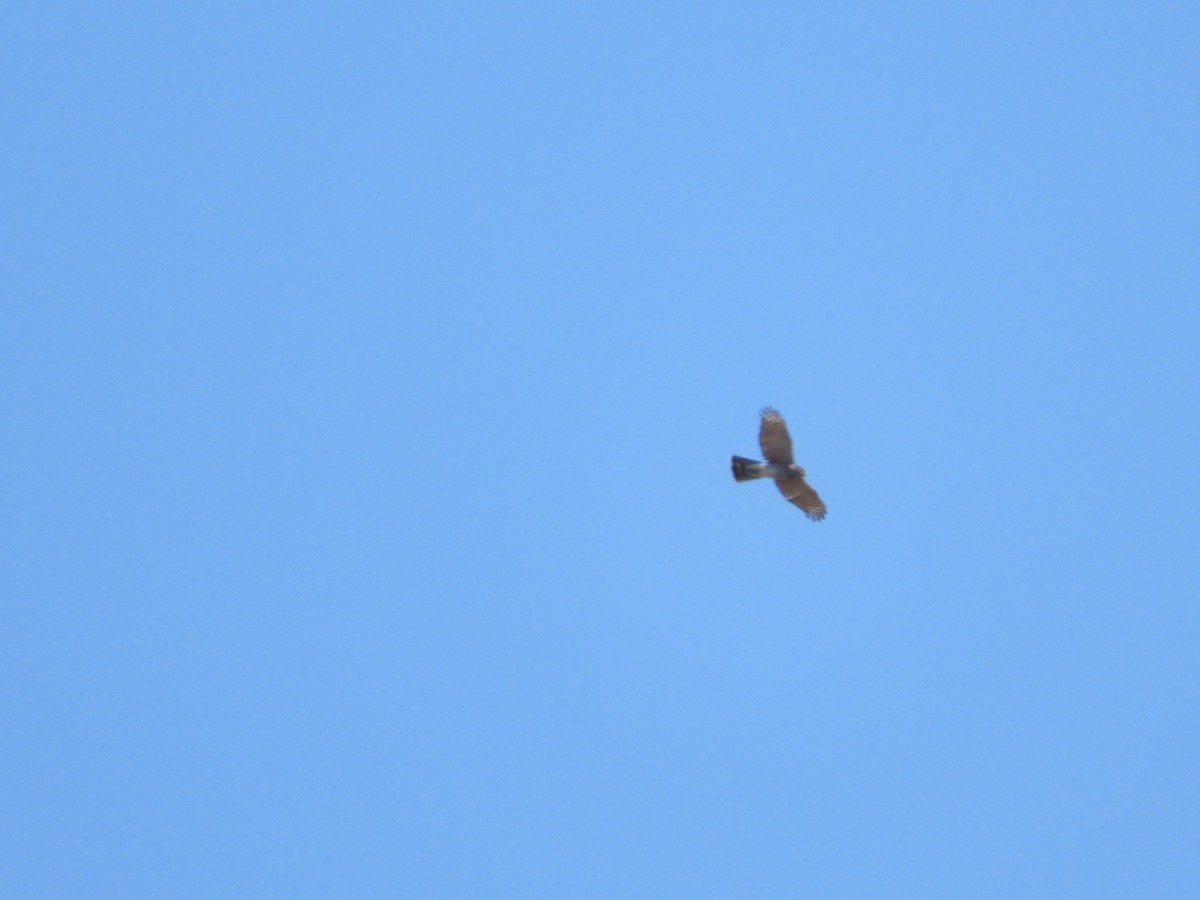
[370,374]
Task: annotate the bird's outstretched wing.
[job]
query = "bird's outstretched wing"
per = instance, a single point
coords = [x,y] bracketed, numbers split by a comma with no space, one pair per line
[798,491]
[774,439]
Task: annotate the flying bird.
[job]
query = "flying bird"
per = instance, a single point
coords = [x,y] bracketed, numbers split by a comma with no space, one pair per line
[776,446]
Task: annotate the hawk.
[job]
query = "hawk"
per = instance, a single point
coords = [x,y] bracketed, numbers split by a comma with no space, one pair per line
[776,446]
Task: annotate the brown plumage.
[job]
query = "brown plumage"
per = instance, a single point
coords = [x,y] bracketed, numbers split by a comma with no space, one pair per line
[776,446]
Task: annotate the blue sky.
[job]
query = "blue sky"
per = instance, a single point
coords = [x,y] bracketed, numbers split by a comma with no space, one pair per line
[371,373]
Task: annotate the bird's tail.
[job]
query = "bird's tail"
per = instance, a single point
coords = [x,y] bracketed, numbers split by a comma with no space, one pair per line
[744,469]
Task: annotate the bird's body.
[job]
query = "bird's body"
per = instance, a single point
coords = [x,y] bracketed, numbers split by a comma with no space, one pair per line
[749,469]
[776,446]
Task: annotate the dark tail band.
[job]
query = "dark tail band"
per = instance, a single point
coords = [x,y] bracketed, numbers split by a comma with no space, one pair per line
[741,469]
